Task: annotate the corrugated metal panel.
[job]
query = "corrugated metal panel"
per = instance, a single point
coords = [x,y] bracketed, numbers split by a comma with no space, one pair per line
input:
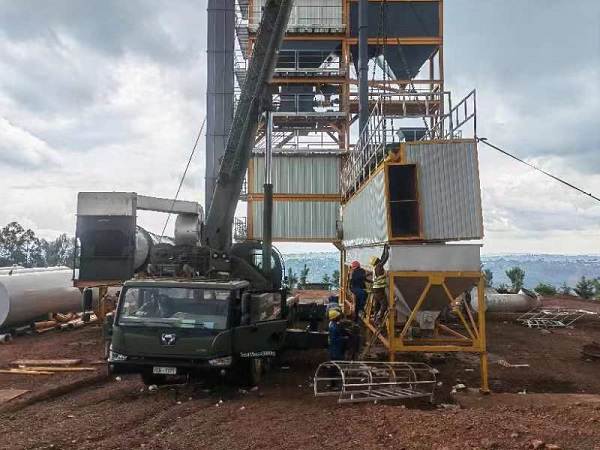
[314,174]
[449,192]
[423,257]
[364,217]
[298,220]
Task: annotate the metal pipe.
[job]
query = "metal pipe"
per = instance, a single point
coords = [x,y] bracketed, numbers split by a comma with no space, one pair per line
[26,295]
[267,234]
[496,302]
[363,65]
[219,87]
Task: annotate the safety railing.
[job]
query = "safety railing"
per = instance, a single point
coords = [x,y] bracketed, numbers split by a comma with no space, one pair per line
[298,141]
[413,103]
[453,124]
[305,15]
[298,63]
[382,133]
[301,104]
[314,62]
[306,103]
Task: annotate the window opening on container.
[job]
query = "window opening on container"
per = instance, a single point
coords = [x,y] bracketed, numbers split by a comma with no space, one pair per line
[403,201]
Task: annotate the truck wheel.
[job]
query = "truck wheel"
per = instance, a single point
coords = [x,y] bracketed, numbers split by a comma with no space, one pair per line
[257,368]
[148,378]
[250,372]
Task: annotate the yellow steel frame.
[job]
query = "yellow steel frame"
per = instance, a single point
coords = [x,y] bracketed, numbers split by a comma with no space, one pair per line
[473,342]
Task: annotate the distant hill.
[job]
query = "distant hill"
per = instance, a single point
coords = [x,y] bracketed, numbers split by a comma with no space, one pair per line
[553,269]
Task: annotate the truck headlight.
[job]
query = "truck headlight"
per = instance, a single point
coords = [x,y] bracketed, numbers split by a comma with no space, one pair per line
[114,356]
[221,362]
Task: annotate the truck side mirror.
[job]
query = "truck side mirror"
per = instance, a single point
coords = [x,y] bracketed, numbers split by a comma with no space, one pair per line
[246,313]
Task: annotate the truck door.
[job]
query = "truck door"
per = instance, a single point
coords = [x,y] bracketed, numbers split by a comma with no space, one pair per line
[260,339]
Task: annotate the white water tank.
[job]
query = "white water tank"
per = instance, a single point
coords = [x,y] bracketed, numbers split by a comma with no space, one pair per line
[507,303]
[31,293]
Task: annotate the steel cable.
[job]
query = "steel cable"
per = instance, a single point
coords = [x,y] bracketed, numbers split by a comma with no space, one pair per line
[187,166]
[560,180]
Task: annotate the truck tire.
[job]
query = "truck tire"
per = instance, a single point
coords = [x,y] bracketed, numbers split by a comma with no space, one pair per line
[250,371]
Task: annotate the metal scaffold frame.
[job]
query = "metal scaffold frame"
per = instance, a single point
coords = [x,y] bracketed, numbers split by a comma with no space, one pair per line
[553,317]
[326,117]
[371,381]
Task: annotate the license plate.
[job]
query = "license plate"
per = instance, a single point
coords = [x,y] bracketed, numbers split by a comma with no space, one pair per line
[164,370]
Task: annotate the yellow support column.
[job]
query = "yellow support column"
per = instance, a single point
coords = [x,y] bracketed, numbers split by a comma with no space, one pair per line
[391,318]
[485,389]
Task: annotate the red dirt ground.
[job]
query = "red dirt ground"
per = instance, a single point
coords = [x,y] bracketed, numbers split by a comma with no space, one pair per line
[283,413]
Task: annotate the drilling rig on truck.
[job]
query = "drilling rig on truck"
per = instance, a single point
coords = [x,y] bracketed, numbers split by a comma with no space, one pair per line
[197,302]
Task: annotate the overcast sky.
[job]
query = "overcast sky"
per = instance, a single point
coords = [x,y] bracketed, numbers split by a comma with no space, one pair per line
[109,95]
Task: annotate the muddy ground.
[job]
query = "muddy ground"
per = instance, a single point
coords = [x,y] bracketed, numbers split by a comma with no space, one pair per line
[283,413]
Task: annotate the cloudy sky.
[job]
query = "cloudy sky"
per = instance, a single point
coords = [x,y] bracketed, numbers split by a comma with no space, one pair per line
[109,95]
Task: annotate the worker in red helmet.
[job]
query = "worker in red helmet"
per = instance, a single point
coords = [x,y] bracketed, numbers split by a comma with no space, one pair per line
[358,287]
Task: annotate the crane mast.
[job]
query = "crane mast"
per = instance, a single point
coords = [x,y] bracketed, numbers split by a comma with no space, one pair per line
[255,98]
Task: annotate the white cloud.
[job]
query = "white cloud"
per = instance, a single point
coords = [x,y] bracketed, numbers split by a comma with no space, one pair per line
[20,148]
[109,95]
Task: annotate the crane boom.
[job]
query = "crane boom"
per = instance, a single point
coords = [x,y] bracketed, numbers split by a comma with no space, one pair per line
[254,99]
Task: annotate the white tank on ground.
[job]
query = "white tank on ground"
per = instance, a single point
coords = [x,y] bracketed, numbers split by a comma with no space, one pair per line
[30,293]
[507,303]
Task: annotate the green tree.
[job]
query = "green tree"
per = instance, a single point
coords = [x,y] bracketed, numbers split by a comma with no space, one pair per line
[60,251]
[585,287]
[326,280]
[292,278]
[596,282]
[545,290]
[335,279]
[565,289]
[488,278]
[20,246]
[303,277]
[516,275]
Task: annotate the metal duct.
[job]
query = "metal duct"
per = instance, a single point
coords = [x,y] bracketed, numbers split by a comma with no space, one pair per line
[31,293]
[220,32]
[506,303]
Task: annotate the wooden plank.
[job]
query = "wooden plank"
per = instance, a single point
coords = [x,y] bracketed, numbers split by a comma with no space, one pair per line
[24,372]
[58,369]
[8,394]
[45,362]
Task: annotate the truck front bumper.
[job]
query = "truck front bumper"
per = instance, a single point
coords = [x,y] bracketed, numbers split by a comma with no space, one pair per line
[183,366]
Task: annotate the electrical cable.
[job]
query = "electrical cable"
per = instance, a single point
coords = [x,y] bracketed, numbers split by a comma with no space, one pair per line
[566,183]
[187,166]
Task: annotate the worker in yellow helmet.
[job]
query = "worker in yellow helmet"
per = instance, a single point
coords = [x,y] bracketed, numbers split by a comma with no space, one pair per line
[336,335]
[380,283]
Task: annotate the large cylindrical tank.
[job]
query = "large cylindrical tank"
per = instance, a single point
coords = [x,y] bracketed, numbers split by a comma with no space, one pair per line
[31,293]
[144,242]
[507,303]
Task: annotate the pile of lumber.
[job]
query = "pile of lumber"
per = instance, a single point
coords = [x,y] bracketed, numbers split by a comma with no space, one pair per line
[63,322]
[45,366]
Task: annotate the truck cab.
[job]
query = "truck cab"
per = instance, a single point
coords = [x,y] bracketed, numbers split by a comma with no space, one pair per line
[171,327]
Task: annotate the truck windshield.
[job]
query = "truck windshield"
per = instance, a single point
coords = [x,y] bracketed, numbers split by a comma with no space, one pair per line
[175,307]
